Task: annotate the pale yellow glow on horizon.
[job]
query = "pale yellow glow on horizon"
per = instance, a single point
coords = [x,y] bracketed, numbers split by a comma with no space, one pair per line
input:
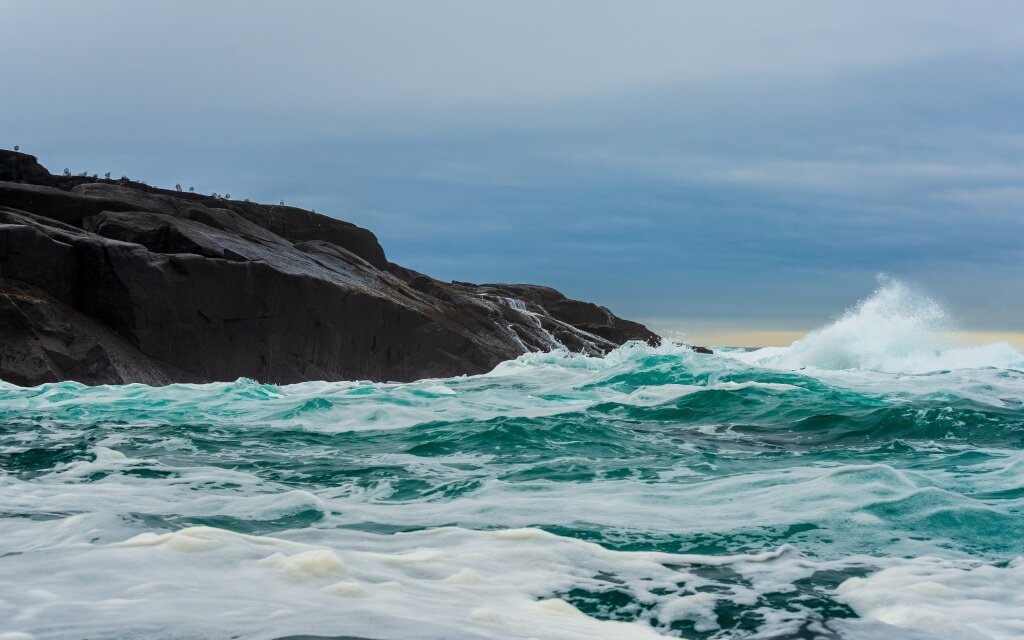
[704,333]
[777,338]
[745,338]
[1014,338]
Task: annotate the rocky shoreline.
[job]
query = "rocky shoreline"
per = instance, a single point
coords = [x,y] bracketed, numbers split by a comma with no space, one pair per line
[113,281]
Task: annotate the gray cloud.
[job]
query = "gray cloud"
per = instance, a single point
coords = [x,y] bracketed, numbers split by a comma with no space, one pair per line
[731,160]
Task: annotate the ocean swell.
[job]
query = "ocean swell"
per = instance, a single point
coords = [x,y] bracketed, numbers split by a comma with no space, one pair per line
[863,482]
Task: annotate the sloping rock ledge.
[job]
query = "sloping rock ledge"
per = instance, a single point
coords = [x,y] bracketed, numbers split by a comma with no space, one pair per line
[113,281]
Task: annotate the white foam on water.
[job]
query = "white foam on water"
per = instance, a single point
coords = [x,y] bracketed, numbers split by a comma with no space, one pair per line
[654,395]
[686,500]
[951,600]
[93,573]
[895,330]
[451,582]
[214,583]
[532,386]
[81,562]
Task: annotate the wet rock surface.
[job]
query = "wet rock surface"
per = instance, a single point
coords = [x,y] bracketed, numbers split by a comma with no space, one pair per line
[113,281]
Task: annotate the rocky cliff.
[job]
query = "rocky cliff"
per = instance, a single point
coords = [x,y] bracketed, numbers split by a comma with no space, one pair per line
[113,281]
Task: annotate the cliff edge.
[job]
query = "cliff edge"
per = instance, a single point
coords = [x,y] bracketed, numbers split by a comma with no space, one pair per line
[114,281]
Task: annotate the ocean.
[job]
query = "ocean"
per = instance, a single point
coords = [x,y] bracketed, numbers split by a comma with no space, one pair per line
[865,482]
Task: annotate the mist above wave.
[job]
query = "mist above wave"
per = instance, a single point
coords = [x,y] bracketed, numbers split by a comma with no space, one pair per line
[897,329]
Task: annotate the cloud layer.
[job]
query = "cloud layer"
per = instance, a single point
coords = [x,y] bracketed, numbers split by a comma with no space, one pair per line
[750,161]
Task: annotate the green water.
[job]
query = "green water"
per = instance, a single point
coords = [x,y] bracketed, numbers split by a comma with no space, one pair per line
[841,474]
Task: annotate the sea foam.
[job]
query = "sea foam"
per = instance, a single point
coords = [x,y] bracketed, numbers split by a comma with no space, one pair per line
[861,483]
[896,330]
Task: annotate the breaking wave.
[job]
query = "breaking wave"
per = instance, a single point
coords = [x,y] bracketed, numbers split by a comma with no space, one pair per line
[898,330]
[864,482]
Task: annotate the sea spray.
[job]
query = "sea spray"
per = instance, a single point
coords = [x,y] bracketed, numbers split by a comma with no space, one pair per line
[897,329]
[864,482]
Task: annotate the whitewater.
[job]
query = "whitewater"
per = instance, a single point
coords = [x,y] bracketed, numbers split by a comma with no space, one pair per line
[866,481]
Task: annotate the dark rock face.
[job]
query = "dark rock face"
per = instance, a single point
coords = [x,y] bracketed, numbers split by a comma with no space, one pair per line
[116,282]
[21,167]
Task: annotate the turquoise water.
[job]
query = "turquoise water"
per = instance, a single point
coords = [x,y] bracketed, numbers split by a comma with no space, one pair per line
[866,482]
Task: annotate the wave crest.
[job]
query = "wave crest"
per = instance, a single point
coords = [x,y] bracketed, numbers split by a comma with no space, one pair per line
[897,329]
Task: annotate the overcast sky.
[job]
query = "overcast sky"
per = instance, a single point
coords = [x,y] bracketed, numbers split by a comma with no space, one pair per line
[744,163]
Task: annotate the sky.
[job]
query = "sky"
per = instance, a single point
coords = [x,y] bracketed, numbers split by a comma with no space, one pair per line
[726,166]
